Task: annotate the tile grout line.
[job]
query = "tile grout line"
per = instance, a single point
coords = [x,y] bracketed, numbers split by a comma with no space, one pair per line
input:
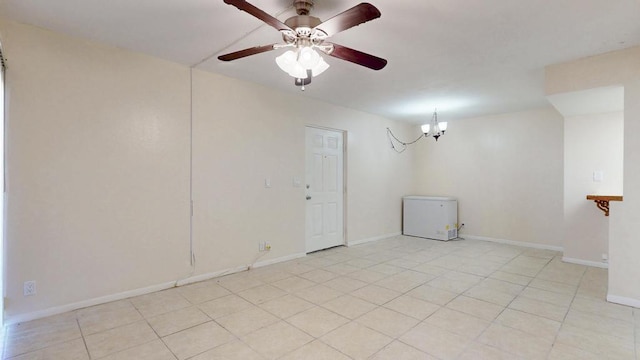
[474,340]
[84,341]
[555,338]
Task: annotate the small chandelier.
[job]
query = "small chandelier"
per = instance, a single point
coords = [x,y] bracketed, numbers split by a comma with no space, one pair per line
[434,128]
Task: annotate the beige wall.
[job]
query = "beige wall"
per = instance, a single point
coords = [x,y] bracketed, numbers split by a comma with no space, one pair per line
[505,170]
[236,147]
[591,143]
[615,68]
[98,172]
[624,241]
[97,163]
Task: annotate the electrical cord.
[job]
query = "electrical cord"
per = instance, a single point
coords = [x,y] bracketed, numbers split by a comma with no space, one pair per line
[458,231]
[403,144]
[251,266]
[193,270]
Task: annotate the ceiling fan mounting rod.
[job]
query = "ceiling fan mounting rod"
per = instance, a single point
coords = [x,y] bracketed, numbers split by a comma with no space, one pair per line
[303,6]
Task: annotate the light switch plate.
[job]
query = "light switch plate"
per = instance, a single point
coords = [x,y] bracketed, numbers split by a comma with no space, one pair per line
[297,182]
[29,288]
[267,182]
[598,176]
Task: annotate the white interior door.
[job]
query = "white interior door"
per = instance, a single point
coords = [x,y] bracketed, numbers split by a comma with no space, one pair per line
[324,189]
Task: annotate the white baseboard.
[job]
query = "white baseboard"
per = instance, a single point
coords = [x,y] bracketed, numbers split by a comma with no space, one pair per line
[211,275]
[540,246]
[585,262]
[375,238]
[513,242]
[279,260]
[623,300]
[13,319]
[215,274]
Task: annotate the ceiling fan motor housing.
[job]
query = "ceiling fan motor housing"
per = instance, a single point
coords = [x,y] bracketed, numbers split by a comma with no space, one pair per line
[305,21]
[304,29]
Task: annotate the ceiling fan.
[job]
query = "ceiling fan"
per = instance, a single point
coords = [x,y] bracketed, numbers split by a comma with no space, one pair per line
[305,34]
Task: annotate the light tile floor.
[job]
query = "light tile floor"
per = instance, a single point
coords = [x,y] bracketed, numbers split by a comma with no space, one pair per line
[398,298]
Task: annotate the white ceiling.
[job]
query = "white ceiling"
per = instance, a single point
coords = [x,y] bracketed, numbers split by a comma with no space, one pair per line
[465,57]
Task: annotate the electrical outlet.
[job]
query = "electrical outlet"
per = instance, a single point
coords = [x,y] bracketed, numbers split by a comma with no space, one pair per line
[261,246]
[29,288]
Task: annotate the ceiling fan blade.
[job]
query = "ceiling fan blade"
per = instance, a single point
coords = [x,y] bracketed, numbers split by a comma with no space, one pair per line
[357,15]
[357,57]
[246,52]
[268,19]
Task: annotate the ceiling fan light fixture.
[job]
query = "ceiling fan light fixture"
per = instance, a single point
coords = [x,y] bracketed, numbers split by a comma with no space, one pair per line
[298,72]
[308,58]
[320,67]
[296,63]
[286,61]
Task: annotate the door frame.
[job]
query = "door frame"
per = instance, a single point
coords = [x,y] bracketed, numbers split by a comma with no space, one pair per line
[3,182]
[345,134]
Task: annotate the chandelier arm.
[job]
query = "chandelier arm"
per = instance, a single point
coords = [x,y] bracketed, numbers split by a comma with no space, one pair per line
[392,137]
[389,136]
[402,142]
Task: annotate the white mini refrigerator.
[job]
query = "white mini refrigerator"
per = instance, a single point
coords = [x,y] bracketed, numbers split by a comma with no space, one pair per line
[430,217]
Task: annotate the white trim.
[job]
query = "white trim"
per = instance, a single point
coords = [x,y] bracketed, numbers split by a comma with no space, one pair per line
[375,238]
[279,260]
[585,262]
[142,291]
[215,274]
[623,300]
[211,275]
[12,319]
[513,242]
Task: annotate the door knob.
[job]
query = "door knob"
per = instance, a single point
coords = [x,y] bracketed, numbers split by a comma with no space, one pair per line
[308,197]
